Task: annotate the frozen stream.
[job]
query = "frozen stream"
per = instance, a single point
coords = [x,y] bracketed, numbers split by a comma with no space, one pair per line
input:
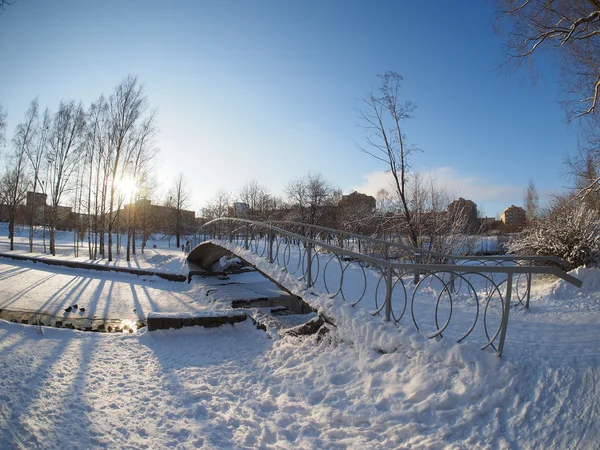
[33,293]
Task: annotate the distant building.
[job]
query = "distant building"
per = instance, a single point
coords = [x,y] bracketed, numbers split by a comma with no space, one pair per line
[358,201]
[466,209]
[355,212]
[159,218]
[240,209]
[38,211]
[514,218]
[35,205]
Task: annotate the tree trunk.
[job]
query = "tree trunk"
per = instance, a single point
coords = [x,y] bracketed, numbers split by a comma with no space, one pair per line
[11,230]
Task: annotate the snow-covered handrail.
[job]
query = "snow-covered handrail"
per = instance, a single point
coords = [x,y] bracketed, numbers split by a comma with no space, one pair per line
[326,269]
[415,250]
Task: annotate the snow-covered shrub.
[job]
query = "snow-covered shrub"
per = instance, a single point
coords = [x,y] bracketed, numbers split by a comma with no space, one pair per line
[568,229]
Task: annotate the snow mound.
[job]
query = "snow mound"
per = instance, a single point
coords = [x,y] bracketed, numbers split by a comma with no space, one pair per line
[226,263]
[562,290]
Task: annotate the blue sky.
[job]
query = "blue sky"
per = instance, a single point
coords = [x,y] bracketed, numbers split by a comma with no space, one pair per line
[268,90]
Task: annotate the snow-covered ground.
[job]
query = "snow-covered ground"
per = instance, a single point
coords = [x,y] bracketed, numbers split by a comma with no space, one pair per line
[368,384]
[159,254]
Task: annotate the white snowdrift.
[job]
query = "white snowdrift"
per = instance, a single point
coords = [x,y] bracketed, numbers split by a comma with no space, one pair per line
[368,384]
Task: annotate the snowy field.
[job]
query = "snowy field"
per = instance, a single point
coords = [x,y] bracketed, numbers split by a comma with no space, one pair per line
[160,254]
[368,384]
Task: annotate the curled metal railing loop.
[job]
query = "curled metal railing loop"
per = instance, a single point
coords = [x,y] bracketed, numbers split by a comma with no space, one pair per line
[395,316]
[315,267]
[348,265]
[488,302]
[287,255]
[333,257]
[471,294]
[521,288]
[427,282]
[360,270]
[398,317]
[382,276]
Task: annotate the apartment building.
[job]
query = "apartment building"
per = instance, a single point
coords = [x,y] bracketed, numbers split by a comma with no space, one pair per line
[514,218]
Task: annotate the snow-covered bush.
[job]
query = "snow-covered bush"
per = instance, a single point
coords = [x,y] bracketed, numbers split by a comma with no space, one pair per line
[568,229]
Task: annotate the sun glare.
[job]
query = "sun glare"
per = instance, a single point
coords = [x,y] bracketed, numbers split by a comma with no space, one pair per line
[127,188]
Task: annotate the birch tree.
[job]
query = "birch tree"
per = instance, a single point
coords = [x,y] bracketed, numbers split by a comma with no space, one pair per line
[531,201]
[36,157]
[15,182]
[2,126]
[63,155]
[179,197]
[140,159]
[126,105]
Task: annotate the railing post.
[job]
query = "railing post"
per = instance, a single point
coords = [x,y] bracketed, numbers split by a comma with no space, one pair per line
[246,237]
[529,275]
[417,273]
[309,264]
[388,293]
[270,246]
[505,312]
[452,276]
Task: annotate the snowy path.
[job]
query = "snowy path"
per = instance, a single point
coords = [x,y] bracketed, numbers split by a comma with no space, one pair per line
[25,286]
[28,286]
[157,255]
[235,388]
[369,385]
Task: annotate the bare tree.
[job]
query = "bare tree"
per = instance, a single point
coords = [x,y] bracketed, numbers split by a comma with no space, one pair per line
[438,229]
[95,151]
[310,198]
[382,118]
[2,126]
[5,3]
[147,222]
[531,201]
[125,107]
[385,201]
[583,167]
[569,26]
[567,229]
[36,156]
[257,198]
[217,207]
[140,157]
[356,213]
[179,197]
[15,180]
[62,157]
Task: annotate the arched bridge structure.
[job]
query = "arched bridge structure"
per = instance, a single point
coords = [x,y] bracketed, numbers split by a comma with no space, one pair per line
[462,297]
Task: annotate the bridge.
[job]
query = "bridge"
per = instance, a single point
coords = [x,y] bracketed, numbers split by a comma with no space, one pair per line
[462,297]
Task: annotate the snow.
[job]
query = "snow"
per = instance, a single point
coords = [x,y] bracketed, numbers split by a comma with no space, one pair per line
[159,254]
[213,313]
[367,384]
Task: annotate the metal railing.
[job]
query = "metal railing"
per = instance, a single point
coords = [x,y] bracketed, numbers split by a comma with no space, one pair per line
[365,244]
[433,293]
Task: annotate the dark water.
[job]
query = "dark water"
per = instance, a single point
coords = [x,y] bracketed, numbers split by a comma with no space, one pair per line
[75,323]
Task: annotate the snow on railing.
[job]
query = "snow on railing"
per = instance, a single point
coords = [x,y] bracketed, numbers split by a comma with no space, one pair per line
[472,298]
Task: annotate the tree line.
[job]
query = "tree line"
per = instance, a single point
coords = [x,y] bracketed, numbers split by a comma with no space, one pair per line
[96,160]
[314,200]
[569,30]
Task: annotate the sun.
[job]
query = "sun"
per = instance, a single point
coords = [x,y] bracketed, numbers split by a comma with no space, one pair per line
[127,188]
